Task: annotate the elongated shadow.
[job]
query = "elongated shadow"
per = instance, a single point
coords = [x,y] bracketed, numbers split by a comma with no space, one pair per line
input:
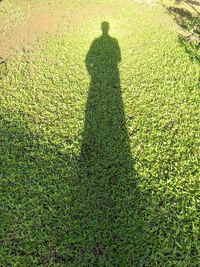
[105,162]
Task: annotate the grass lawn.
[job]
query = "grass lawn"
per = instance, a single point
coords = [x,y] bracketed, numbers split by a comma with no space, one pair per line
[99,136]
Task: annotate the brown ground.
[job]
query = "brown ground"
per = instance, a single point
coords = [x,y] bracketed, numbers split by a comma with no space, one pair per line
[38,21]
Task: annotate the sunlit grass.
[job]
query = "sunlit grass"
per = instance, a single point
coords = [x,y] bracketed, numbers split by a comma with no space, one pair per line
[55,213]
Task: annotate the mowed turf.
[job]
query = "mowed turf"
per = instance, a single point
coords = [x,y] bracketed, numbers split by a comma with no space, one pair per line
[100,140]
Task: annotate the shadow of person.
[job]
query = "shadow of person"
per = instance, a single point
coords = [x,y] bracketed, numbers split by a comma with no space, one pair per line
[105,159]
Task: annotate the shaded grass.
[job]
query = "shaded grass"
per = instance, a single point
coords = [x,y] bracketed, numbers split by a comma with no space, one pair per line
[98,177]
[187,17]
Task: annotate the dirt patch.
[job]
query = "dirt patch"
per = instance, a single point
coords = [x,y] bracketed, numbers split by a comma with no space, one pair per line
[38,23]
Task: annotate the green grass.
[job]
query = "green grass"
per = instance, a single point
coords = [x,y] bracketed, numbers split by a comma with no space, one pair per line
[101,169]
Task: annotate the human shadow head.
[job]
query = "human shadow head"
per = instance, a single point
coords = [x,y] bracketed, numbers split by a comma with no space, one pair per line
[105,27]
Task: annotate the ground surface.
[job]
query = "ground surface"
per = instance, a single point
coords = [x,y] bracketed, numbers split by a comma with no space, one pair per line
[99,136]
